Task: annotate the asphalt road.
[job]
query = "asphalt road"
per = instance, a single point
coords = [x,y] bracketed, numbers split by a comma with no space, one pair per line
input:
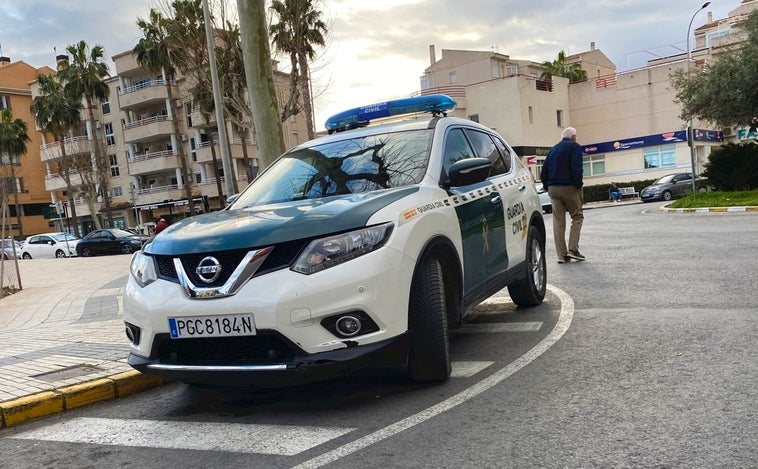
[642,356]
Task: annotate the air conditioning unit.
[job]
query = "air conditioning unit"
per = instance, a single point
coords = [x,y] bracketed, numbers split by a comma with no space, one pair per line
[184,137]
[726,132]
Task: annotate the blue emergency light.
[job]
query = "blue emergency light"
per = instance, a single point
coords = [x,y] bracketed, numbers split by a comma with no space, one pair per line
[361,116]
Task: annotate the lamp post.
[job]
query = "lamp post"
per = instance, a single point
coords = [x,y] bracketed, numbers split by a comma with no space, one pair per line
[690,130]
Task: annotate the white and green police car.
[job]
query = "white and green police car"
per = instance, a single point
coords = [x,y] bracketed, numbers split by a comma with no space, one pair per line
[356,250]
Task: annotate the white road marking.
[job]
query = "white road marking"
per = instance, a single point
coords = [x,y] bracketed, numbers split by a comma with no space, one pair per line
[501,327]
[468,369]
[564,321]
[282,440]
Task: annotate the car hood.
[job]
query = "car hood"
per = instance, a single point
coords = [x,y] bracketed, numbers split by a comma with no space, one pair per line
[266,225]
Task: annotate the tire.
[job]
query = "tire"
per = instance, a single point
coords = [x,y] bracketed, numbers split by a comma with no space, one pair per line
[59,254]
[667,196]
[429,356]
[530,291]
[127,249]
[86,252]
[26,255]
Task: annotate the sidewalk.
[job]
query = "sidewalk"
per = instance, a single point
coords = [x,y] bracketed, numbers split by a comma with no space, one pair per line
[62,341]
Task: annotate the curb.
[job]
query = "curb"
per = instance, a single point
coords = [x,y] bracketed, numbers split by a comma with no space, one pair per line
[45,403]
[710,209]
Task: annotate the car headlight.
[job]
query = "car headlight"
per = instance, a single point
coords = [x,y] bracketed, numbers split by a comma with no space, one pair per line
[143,269]
[327,252]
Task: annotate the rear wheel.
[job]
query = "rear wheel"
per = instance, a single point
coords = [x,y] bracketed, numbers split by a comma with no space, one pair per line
[429,358]
[60,254]
[530,291]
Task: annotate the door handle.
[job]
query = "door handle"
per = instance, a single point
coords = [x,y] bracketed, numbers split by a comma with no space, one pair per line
[522,188]
[496,200]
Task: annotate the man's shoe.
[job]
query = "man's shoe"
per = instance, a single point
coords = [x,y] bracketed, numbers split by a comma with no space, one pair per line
[564,260]
[575,255]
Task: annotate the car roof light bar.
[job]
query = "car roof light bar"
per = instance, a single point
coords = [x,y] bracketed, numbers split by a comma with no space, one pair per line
[436,104]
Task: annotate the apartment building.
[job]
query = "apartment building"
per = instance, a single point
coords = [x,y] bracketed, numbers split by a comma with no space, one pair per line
[628,122]
[29,171]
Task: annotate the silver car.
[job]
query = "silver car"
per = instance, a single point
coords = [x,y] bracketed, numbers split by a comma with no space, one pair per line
[547,205]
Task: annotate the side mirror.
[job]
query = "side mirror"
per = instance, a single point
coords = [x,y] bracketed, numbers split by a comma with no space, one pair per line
[51,242]
[469,171]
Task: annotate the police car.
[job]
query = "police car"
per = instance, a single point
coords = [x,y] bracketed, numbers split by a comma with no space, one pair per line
[356,250]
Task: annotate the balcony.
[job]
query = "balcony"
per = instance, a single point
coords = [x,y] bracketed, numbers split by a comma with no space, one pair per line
[203,153]
[153,162]
[55,182]
[156,195]
[74,146]
[145,130]
[210,188]
[144,94]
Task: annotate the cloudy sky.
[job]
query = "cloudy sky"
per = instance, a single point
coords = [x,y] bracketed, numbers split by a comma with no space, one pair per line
[378,49]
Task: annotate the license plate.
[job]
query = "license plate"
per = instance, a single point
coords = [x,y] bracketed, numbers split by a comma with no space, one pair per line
[212,326]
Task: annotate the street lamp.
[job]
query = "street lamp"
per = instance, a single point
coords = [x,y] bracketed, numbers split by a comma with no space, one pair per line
[691,131]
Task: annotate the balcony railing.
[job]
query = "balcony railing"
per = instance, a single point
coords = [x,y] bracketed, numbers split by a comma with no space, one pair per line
[74,146]
[148,121]
[142,86]
[149,156]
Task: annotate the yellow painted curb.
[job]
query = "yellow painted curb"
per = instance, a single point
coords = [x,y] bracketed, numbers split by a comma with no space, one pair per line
[131,382]
[91,392]
[28,407]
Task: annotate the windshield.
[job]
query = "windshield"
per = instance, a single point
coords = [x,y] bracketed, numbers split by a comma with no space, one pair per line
[664,179]
[349,166]
[119,233]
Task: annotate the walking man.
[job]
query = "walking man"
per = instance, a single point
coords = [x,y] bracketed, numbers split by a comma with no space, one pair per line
[562,176]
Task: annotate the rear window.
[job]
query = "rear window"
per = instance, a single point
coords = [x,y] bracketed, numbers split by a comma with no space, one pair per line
[349,166]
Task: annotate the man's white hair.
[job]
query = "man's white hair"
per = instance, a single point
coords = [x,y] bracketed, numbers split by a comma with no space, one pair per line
[568,132]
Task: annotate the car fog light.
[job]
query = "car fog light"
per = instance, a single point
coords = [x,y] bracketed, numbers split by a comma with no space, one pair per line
[348,325]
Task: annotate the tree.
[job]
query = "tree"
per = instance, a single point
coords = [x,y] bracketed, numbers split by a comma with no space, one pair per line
[157,52]
[299,29]
[561,68]
[260,79]
[83,78]
[56,112]
[13,139]
[724,92]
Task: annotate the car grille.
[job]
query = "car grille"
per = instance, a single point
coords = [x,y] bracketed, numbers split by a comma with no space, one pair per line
[248,350]
[281,257]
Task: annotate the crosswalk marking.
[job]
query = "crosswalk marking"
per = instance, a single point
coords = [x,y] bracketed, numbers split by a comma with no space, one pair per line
[282,440]
[468,369]
[533,326]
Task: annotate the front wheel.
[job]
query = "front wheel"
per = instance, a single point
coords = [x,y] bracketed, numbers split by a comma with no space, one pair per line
[530,291]
[26,255]
[667,196]
[60,254]
[127,249]
[86,252]
[429,357]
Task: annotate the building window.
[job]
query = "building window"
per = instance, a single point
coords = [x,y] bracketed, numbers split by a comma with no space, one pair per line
[559,117]
[594,165]
[425,82]
[659,157]
[117,191]
[114,165]
[13,187]
[511,70]
[110,139]
[531,115]
[106,107]
[198,178]
[5,160]
[453,79]
[5,102]
[294,139]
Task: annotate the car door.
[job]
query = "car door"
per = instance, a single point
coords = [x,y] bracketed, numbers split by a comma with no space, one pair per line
[480,214]
[41,246]
[682,184]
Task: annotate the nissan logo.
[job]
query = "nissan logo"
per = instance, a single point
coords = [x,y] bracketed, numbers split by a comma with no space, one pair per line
[208,269]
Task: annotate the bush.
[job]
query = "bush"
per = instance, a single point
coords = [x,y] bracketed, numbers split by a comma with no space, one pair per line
[733,167]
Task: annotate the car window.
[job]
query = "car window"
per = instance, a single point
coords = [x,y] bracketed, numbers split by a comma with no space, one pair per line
[485,148]
[350,166]
[457,148]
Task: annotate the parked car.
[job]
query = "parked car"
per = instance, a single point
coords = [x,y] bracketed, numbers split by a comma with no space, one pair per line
[11,249]
[668,187]
[110,241]
[547,204]
[49,245]
[358,249]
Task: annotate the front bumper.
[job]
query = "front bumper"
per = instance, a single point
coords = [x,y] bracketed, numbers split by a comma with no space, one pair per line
[299,368]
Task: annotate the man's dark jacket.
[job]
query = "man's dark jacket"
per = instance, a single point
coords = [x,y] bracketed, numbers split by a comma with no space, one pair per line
[563,165]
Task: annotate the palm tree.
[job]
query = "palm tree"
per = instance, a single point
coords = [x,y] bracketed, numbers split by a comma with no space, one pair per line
[299,29]
[83,78]
[561,68]
[56,112]
[13,139]
[157,52]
